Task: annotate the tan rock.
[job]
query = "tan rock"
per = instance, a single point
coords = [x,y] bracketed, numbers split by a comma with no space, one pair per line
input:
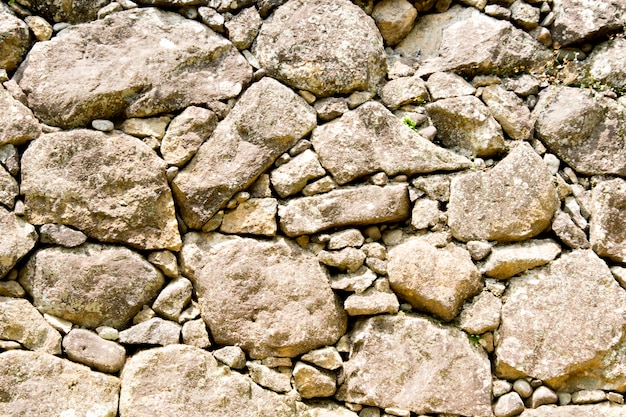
[16,39]
[21,322]
[173,298]
[166,261]
[269,378]
[61,235]
[506,261]
[509,405]
[576,21]
[194,333]
[482,314]
[347,259]
[243,28]
[293,176]
[394,19]
[604,410]
[90,349]
[404,90]
[150,126]
[256,216]
[18,125]
[327,357]
[18,238]
[155,331]
[312,382]
[40,28]
[8,188]
[509,110]
[607,238]
[448,85]
[186,133]
[371,302]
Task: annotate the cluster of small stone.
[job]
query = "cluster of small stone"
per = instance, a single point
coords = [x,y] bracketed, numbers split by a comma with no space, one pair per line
[312,208]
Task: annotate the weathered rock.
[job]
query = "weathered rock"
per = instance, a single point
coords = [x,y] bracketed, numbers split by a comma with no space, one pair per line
[347,259]
[291,177]
[18,125]
[425,213]
[448,85]
[272,298]
[73,11]
[15,39]
[269,378]
[435,280]
[583,129]
[357,281]
[311,46]
[397,361]
[243,28]
[267,120]
[9,157]
[8,188]
[256,216]
[186,381]
[520,185]
[482,315]
[523,388]
[588,396]
[345,238]
[542,396]
[506,261]
[404,90]
[509,110]
[61,235]
[17,239]
[194,333]
[173,298]
[166,261]
[579,20]
[312,382]
[110,186]
[535,326]
[11,289]
[567,231]
[509,405]
[328,409]
[394,19]
[231,356]
[40,28]
[355,206]
[607,237]
[371,139]
[92,285]
[607,64]
[145,127]
[371,302]
[90,349]
[186,133]
[155,331]
[466,125]
[604,410]
[21,322]
[326,357]
[525,15]
[38,384]
[168,63]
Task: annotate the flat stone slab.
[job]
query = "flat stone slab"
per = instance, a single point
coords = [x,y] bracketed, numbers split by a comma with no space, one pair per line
[506,261]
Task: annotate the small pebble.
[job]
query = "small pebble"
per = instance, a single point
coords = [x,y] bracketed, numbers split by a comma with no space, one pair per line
[523,388]
[103,125]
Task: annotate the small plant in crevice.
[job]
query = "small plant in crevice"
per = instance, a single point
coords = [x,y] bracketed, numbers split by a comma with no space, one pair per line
[410,123]
[474,339]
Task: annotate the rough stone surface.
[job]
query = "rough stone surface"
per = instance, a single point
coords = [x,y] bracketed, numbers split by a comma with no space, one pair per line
[293,176]
[92,285]
[508,260]
[194,333]
[110,186]
[311,46]
[346,207]
[272,298]
[371,139]
[404,90]
[388,349]
[394,19]
[185,133]
[520,185]
[543,396]
[17,239]
[269,378]
[606,236]
[168,63]
[604,410]
[243,28]
[312,382]
[186,381]
[448,85]
[371,302]
[357,281]
[61,235]
[155,331]
[145,127]
[267,120]
[21,322]
[232,356]
[173,298]
[567,231]
[15,39]
[509,110]
[38,384]
[509,405]
[607,63]
[74,11]
[90,349]
[326,357]
[482,315]
[256,216]
[8,188]
[580,20]
[18,125]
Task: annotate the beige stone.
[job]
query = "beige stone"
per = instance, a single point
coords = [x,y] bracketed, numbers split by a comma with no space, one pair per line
[173,298]
[394,19]
[150,126]
[482,314]
[18,238]
[90,349]
[607,236]
[186,133]
[312,382]
[21,322]
[506,261]
[256,216]
[509,110]
[18,125]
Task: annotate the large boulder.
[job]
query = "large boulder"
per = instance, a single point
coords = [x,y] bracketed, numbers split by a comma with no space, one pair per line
[607,234]
[272,298]
[110,186]
[22,323]
[18,125]
[73,11]
[399,362]
[577,21]
[327,47]
[17,238]
[134,63]
[268,119]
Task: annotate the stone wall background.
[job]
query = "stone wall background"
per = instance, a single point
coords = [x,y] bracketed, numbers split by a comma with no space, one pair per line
[312,208]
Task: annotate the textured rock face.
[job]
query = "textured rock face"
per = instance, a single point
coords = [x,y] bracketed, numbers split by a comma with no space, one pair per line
[604,410]
[406,349]
[163,63]
[40,385]
[310,45]
[17,239]
[535,329]
[520,185]
[93,285]
[110,186]
[271,298]
[17,123]
[607,63]
[8,188]
[508,260]
[73,11]
[186,133]
[21,322]
[90,349]
[607,236]
[256,132]
[186,381]
[15,40]
[580,20]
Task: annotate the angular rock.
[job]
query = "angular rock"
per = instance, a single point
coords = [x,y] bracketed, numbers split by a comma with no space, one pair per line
[40,27]
[604,410]
[18,125]
[232,356]
[266,122]
[535,330]
[434,280]
[466,125]
[404,90]
[269,378]
[186,133]
[371,139]
[425,213]
[347,259]
[345,238]
[92,285]
[371,302]
[606,234]
[525,15]
[168,63]
[397,361]
[256,216]
[588,396]
[155,331]
[312,382]
[90,349]
[482,315]
[311,46]
[506,261]
[145,127]
[194,333]
[355,206]
[567,231]
[8,188]
[21,322]
[291,177]
[394,19]
[38,384]
[509,110]
[185,381]
[577,21]
[61,235]
[327,358]
[448,85]
[542,396]
[73,11]
[330,108]
[357,281]
[173,298]
[520,186]
[272,298]
[166,261]
[509,405]
[607,63]
[329,409]
[244,27]
[17,239]
[15,39]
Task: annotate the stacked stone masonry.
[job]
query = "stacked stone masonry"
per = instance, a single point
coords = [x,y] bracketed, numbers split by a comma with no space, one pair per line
[312,208]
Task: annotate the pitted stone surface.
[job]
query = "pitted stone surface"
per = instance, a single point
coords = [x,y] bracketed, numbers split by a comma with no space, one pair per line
[18,125]
[581,20]
[607,63]
[15,39]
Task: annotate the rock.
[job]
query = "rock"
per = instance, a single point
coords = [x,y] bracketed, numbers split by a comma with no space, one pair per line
[327,409]
[533,332]
[310,46]
[194,333]
[168,62]
[576,21]
[404,90]
[40,28]
[11,289]
[434,280]
[506,261]
[607,64]
[267,120]
[614,397]
[102,125]
[425,213]
[269,378]
[92,285]
[145,127]
[567,231]
[371,302]
[407,349]
[90,349]
[320,186]
[292,177]
[155,331]
[357,281]
[371,139]
[74,11]
[18,238]
[21,322]
[588,396]
[111,186]
[61,235]
[166,262]
[523,388]
[312,382]
[345,238]
[509,110]
[330,108]
[394,19]
[543,396]
[272,298]
[509,405]
[482,315]
[466,125]
[520,185]
[243,28]
[9,188]
[326,357]
[18,125]
[15,39]
[173,298]
[231,356]
[448,85]
[38,384]
[186,133]
[347,259]
[607,238]
[604,410]
[525,15]
[256,216]
[354,206]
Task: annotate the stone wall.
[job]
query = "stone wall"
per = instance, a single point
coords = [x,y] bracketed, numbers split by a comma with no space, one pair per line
[312,208]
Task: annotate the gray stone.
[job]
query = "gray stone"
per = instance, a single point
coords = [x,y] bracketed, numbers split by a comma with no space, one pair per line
[256,216]
[607,64]
[330,108]
[497,11]
[21,322]
[168,62]
[269,378]
[311,46]
[231,356]
[194,333]
[15,39]
[312,382]
[90,349]
[606,236]
[482,315]
[327,409]
[433,279]
[173,298]
[110,186]
[8,188]
[267,120]
[293,176]
[542,396]
[371,302]
[185,381]
[155,331]
[186,133]
[520,185]
[394,19]
[397,361]
[102,125]
[10,158]
[345,238]
[92,285]
[166,261]
[347,259]
[588,396]
[523,388]
[243,28]
[61,235]
[604,410]
[18,238]
[506,261]
[272,298]
[567,231]
[576,21]
[371,139]
[327,357]
[404,90]
[18,125]
[509,405]
[448,85]
[357,281]
[525,15]
[509,110]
